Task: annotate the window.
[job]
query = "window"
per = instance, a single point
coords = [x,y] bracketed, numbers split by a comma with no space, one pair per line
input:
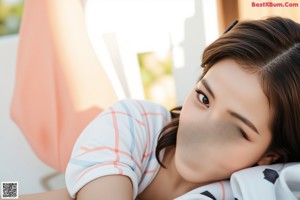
[10,16]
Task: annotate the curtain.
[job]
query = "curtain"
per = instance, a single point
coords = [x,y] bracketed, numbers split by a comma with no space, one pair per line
[60,84]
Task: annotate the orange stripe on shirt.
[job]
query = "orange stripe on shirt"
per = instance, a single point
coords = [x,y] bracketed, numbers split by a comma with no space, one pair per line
[149,154]
[111,149]
[99,165]
[149,171]
[127,114]
[116,128]
[156,114]
[147,125]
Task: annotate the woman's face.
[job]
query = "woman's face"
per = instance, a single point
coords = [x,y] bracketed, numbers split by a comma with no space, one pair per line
[224,125]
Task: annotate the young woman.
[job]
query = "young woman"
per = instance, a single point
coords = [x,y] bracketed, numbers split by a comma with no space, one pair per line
[243,112]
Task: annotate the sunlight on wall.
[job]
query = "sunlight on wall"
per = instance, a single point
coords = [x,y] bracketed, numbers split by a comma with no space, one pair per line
[210,17]
[141,26]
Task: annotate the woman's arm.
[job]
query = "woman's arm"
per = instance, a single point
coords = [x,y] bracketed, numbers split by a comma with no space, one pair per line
[112,187]
[60,194]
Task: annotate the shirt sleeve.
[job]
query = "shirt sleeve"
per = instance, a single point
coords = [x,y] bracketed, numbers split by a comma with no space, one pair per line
[115,142]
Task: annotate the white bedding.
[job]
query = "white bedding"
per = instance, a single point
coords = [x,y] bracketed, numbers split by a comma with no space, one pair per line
[271,182]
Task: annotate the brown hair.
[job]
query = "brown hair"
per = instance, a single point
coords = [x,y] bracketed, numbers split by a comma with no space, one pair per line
[270,48]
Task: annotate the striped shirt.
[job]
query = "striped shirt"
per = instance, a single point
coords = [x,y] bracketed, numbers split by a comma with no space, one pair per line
[121,140]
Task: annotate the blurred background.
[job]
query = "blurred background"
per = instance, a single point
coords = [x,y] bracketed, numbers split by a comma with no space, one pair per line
[155,47]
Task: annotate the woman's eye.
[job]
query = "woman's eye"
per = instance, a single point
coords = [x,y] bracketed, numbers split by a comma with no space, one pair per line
[202,98]
[244,134]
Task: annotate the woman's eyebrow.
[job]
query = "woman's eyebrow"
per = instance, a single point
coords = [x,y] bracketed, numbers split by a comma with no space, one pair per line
[244,120]
[207,87]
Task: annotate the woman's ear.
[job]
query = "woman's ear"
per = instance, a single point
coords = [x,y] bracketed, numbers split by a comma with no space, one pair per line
[268,158]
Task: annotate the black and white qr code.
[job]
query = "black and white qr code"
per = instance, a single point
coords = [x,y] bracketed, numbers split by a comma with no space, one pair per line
[9,190]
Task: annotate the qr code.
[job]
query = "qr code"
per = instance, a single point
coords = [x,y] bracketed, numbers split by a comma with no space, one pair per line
[9,190]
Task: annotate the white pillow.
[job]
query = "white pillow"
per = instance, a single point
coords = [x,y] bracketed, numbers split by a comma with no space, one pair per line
[268,182]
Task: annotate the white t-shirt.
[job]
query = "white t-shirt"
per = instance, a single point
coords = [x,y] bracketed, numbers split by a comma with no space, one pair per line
[121,140]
